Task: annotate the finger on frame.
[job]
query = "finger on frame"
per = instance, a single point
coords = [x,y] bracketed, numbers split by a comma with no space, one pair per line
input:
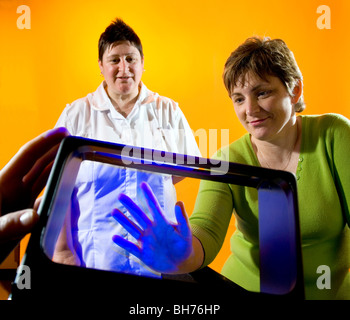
[29,153]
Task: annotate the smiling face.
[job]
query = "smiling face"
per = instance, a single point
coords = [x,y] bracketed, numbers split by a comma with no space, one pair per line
[264,106]
[122,68]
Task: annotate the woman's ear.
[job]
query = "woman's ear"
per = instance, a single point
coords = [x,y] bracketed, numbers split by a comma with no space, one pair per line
[143,63]
[100,64]
[297,92]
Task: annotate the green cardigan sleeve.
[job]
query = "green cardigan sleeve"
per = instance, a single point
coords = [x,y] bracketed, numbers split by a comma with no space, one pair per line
[341,161]
[211,217]
[216,202]
[212,212]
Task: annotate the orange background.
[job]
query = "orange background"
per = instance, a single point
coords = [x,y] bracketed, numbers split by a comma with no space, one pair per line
[186,44]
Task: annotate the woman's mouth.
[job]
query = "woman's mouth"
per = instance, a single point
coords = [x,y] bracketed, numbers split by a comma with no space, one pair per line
[257,122]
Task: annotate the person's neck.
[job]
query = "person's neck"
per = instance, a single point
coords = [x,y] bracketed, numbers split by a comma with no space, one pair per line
[123,103]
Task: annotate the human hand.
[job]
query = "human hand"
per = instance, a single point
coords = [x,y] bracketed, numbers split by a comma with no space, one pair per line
[25,175]
[161,245]
[21,181]
[13,227]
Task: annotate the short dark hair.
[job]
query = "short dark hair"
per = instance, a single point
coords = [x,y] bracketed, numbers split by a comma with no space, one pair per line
[116,32]
[263,56]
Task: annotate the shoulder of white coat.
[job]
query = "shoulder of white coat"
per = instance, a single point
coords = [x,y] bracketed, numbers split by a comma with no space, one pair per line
[96,100]
[75,114]
[79,104]
[159,102]
[165,102]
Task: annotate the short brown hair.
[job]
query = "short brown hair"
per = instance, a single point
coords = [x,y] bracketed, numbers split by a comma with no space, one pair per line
[263,56]
[118,31]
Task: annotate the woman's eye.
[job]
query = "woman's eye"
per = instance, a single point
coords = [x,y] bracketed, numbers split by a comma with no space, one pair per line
[238,100]
[264,93]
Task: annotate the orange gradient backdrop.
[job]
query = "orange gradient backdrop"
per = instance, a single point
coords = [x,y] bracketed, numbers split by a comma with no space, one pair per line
[185,43]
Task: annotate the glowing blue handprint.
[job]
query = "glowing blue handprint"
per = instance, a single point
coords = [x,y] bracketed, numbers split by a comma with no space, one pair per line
[162,246]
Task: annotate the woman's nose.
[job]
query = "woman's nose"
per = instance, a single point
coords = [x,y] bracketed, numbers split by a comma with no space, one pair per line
[252,107]
[123,65]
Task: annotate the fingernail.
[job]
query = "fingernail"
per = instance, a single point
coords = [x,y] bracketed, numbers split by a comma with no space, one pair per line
[59,130]
[27,218]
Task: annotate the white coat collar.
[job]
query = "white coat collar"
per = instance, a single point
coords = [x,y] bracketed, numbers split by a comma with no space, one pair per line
[101,102]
